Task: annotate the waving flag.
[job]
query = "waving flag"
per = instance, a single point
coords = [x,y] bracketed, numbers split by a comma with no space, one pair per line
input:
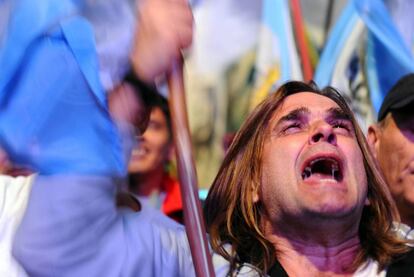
[50,92]
[382,56]
[388,56]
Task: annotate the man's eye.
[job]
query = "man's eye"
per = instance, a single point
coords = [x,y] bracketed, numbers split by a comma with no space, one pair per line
[346,126]
[292,127]
[340,125]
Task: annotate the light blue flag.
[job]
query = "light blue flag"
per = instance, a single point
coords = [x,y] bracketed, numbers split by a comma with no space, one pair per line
[53,111]
[277,48]
[334,46]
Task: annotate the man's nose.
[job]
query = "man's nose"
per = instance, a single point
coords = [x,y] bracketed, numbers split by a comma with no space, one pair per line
[322,132]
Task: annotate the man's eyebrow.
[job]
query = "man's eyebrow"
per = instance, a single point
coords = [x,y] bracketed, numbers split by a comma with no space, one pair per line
[337,113]
[294,115]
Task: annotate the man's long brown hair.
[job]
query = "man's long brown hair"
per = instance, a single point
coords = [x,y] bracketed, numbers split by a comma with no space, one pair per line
[234,219]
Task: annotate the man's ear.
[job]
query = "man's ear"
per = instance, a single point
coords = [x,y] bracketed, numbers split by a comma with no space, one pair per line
[373,139]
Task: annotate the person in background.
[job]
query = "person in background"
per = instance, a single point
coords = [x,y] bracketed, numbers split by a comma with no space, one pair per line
[129,109]
[392,142]
[149,179]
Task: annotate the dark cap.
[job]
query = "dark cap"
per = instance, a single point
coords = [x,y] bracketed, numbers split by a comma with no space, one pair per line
[400,95]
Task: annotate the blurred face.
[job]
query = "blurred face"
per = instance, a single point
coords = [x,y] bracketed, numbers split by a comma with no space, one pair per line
[312,164]
[154,147]
[394,149]
[126,106]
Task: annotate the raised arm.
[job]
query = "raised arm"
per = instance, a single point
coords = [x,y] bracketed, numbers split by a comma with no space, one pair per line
[71,226]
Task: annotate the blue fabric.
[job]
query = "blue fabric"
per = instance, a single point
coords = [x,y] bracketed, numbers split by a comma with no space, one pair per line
[51,98]
[387,57]
[334,45]
[372,77]
[390,58]
[274,16]
[28,20]
[80,39]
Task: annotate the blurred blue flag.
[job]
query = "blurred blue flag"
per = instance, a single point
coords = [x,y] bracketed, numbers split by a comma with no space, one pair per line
[53,111]
[387,56]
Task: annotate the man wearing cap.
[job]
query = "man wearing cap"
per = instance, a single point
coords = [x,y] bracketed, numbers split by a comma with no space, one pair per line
[392,141]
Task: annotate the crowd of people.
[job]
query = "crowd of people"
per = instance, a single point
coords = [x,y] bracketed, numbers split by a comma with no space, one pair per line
[302,191]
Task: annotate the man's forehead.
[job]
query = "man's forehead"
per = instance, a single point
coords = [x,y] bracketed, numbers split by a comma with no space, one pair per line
[306,102]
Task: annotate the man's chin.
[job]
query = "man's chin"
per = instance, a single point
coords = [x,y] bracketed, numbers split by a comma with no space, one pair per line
[331,210]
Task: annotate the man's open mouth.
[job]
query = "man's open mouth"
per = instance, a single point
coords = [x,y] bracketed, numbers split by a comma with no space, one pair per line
[323,168]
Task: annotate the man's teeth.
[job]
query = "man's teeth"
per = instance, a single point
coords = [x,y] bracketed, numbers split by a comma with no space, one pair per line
[307,173]
[335,172]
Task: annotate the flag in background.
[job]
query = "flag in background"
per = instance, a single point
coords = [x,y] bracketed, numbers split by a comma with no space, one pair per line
[277,56]
[388,56]
[365,55]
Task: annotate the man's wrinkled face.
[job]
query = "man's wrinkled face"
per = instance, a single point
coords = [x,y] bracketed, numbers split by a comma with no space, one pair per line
[312,164]
[394,149]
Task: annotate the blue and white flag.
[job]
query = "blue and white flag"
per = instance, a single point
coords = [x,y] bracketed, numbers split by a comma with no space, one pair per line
[388,57]
[384,54]
[277,57]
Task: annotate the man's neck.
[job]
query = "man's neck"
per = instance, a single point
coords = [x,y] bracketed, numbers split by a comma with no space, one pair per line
[301,259]
[318,253]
